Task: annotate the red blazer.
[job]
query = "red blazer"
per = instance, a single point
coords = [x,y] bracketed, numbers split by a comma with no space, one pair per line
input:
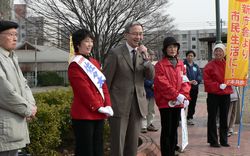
[87,98]
[168,83]
[213,75]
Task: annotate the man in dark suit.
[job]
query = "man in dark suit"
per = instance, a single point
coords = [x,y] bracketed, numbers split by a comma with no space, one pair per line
[125,68]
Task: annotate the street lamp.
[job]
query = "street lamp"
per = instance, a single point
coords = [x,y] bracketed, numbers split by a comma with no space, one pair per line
[218,21]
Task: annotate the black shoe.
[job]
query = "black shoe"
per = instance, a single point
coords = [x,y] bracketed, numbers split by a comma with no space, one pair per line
[152,128]
[229,134]
[225,144]
[144,130]
[214,145]
[190,122]
[177,148]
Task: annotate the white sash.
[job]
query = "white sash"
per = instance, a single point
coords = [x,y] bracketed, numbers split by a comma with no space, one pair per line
[93,73]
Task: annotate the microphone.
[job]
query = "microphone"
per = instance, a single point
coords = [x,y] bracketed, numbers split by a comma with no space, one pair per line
[143,53]
[140,43]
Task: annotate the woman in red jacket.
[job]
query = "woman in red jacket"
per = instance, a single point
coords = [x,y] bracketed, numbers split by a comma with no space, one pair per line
[171,88]
[91,103]
[218,97]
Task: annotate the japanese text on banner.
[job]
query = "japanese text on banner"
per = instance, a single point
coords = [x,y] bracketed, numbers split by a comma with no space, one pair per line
[238,39]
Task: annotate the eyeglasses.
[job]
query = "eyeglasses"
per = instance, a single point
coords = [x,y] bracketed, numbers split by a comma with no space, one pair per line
[136,34]
[10,34]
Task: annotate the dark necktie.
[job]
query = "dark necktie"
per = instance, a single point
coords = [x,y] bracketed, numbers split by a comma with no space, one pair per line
[133,57]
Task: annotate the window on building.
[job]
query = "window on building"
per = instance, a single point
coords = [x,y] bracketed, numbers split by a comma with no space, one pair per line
[193,46]
[202,35]
[202,52]
[184,45]
[211,34]
[184,36]
[193,38]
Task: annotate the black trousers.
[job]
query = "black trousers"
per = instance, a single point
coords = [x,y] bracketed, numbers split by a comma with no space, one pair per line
[169,124]
[9,153]
[215,102]
[88,137]
[191,107]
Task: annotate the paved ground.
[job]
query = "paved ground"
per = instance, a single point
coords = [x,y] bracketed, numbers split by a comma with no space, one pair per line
[197,134]
[198,145]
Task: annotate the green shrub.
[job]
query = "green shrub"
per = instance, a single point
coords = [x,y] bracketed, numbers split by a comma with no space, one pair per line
[44,131]
[49,78]
[62,100]
[52,122]
[51,131]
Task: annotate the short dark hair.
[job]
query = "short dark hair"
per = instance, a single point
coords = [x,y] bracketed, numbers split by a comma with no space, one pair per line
[190,51]
[80,35]
[131,24]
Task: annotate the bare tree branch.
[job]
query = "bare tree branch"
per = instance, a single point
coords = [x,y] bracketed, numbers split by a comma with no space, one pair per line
[104,18]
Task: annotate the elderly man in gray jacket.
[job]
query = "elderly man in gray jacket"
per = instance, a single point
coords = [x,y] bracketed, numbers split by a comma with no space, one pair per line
[17,104]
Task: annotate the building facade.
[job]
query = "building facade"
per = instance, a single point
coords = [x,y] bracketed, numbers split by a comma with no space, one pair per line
[6,9]
[191,40]
[30,28]
[20,16]
[34,30]
[35,59]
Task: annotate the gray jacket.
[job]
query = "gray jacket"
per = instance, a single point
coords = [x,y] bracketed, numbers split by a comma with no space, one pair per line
[123,80]
[16,102]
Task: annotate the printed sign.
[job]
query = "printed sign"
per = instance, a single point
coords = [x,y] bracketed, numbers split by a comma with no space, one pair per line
[184,134]
[238,43]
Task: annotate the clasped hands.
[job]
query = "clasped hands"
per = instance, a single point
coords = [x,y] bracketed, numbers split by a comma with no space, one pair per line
[193,82]
[107,110]
[181,99]
[33,113]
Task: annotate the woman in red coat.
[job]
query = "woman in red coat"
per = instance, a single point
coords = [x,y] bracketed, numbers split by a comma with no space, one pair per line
[218,96]
[171,88]
[91,103]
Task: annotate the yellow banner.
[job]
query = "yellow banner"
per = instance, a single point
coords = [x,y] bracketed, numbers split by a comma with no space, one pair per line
[71,49]
[238,43]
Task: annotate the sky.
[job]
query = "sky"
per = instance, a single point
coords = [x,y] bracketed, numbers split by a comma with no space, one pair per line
[19,1]
[192,14]
[196,14]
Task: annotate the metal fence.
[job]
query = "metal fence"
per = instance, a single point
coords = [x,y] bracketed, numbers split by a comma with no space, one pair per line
[30,76]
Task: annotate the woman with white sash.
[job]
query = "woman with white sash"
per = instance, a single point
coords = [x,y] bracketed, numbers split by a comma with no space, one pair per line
[91,103]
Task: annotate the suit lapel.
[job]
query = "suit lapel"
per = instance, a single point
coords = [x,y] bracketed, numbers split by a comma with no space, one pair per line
[127,56]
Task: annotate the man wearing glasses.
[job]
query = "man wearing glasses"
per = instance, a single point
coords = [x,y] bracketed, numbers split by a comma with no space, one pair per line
[125,68]
[17,104]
